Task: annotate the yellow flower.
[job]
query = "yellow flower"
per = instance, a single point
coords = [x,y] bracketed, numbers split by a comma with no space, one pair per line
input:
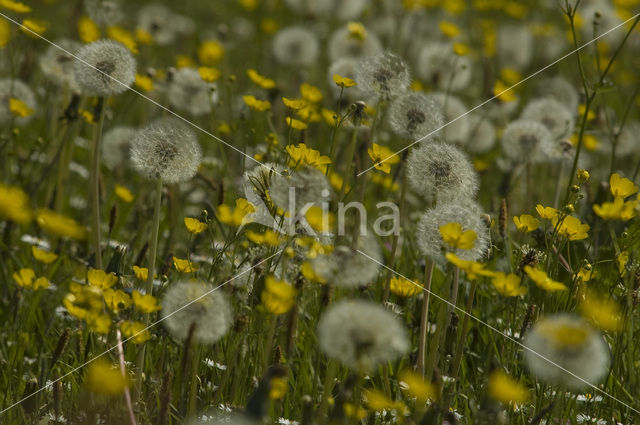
[526,223]
[116,300]
[105,379]
[88,31]
[98,322]
[621,260]
[15,6]
[43,256]
[19,108]
[403,287]
[357,30]
[616,210]
[510,76]
[294,104]
[461,49]
[621,186]
[354,412]
[449,29]
[144,82]
[146,303]
[295,124]
[505,389]
[508,284]
[136,331]
[302,155]
[256,104]
[278,296]
[60,225]
[14,204]
[183,61]
[141,273]
[378,401]
[604,313]
[329,116]
[582,109]
[278,388]
[184,265]
[124,193]
[308,272]
[123,36]
[343,82]
[264,82]
[413,383]
[504,93]
[547,212]
[210,52]
[101,279]
[572,228]
[209,74]
[383,158]
[269,26]
[542,280]
[586,274]
[194,225]
[453,235]
[269,237]
[310,93]
[143,37]
[319,220]
[27,279]
[237,217]
[87,116]
[5,32]
[582,175]
[31,26]
[471,268]
[384,181]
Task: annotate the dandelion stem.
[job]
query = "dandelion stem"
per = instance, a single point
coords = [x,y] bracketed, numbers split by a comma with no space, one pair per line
[455,368]
[95,184]
[330,374]
[193,380]
[428,276]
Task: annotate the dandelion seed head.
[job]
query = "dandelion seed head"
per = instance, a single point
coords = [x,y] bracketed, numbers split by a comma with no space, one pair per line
[468,214]
[515,45]
[162,23]
[306,184]
[166,148]
[211,314]
[345,67]
[342,44]
[15,89]
[482,134]
[57,65]
[104,12]
[345,267]
[296,46]
[526,140]
[442,171]
[561,90]
[189,92]
[628,139]
[104,57]
[556,116]
[361,334]
[453,109]
[571,343]
[438,65]
[384,74]
[336,9]
[116,144]
[415,115]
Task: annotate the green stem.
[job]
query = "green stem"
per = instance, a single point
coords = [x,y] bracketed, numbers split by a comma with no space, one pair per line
[428,276]
[95,184]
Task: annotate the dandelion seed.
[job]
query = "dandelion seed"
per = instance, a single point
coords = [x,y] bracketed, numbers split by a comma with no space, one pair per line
[571,343]
[441,171]
[189,92]
[116,146]
[361,334]
[104,68]
[440,66]
[468,215]
[57,65]
[296,46]
[309,186]
[15,91]
[526,141]
[104,12]
[167,149]
[554,115]
[209,311]
[385,75]
[162,24]
[415,115]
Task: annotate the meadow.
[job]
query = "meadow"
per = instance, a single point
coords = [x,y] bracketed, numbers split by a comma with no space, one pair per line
[319,212]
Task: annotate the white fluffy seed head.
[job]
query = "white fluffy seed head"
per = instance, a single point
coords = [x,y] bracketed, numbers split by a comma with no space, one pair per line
[385,75]
[468,214]
[189,92]
[57,65]
[455,114]
[415,115]
[104,68]
[296,46]
[168,149]
[335,9]
[571,343]
[556,116]
[345,67]
[162,23]
[526,141]
[515,46]
[342,44]
[116,145]
[439,66]
[345,267]
[211,314]
[441,171]
[482,134]
[104,12]
[305,185]
[361,334]
[15,89]
[561,90]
